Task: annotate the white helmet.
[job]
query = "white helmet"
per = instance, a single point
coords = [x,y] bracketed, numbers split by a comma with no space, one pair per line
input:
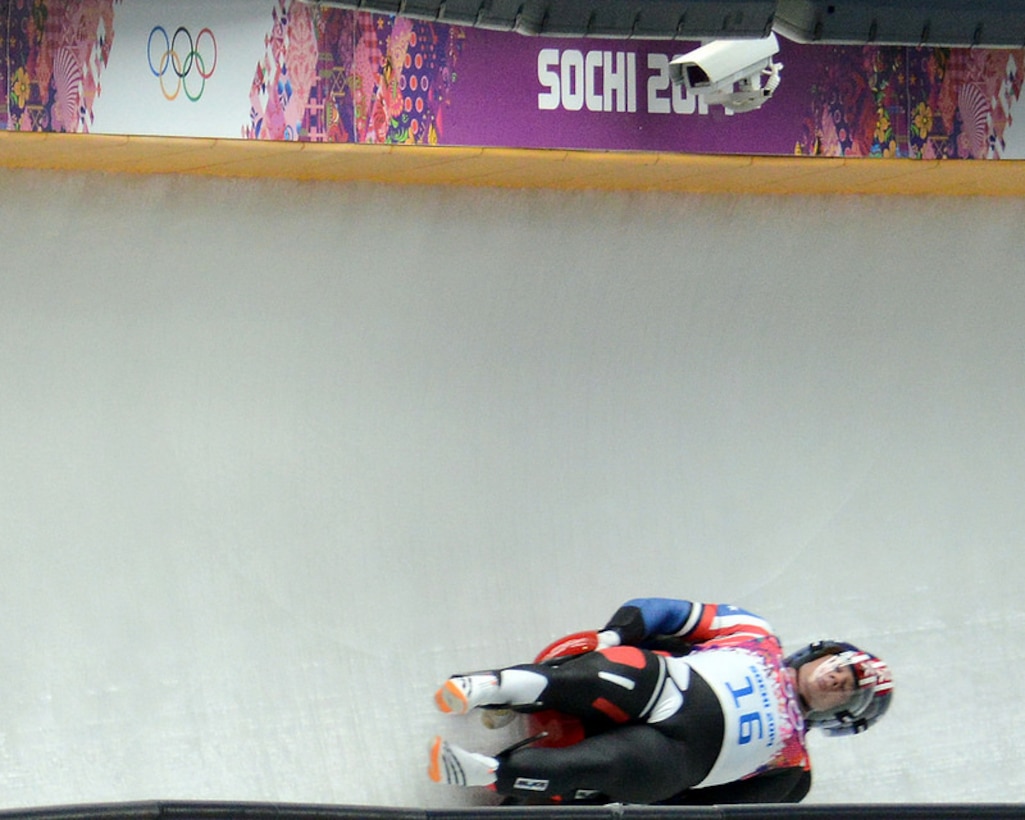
[872,693]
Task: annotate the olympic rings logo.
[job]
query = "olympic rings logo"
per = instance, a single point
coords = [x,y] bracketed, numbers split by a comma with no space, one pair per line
[182,58]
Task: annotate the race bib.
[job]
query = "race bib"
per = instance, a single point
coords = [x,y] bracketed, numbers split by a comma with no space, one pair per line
[759,711]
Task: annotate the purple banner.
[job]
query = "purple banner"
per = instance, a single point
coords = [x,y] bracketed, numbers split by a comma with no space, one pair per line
[602,94]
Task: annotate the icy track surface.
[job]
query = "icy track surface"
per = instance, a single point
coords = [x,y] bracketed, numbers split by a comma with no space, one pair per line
[277,458]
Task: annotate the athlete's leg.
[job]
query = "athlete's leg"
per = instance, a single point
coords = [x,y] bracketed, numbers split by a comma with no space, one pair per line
[618,684]
[637,762]
[631,764]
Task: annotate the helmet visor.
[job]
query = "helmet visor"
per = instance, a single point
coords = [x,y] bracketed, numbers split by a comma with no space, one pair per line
[838,687]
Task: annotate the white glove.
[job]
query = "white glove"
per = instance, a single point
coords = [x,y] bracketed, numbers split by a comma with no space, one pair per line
[608,638]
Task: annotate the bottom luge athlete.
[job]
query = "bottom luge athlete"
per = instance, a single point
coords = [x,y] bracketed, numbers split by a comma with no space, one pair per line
[681,702]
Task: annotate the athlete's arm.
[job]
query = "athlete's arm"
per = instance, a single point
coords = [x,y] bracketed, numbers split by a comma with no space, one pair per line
[645,619]
[640,619]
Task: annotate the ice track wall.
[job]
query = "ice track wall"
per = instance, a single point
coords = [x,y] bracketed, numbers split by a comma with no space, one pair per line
[277,457]
[256,811]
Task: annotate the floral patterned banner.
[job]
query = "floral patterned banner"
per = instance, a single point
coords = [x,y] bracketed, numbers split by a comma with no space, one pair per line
[55,53]
[913,102]
[337,76]
[285,70]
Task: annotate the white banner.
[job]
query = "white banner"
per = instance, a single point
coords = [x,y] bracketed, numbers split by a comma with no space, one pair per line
[183,67]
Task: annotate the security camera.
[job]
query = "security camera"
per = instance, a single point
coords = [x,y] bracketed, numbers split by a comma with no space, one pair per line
[737,74]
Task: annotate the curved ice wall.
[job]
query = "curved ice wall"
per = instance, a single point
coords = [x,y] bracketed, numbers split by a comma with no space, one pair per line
[276,458]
